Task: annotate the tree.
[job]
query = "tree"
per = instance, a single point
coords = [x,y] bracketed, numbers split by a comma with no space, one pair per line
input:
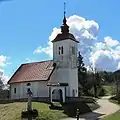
[96,79]
[1,84]
[81,71]
[97,83]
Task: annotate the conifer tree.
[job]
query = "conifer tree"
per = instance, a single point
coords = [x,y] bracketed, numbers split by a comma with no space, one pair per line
[81,71]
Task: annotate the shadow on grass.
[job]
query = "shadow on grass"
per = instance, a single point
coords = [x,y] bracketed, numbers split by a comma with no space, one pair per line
[70,108]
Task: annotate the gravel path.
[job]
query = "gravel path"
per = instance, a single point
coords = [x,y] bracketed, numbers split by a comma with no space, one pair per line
[106,108]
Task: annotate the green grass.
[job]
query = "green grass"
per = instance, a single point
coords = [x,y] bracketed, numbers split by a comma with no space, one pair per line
[115,116]
[12,111]
[110,90]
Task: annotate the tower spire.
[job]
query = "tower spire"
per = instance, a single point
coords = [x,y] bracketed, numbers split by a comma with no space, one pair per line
[64,20]
[64,9]
[64,27]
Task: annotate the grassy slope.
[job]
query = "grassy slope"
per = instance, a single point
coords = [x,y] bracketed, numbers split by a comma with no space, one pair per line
[109,90]
[115,116]
[12,111]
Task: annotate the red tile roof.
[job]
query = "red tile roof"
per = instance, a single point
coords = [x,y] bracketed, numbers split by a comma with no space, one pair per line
[29,72]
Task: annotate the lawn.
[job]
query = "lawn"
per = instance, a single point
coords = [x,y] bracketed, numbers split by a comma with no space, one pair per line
[115,116]
[12,111]
[110,90]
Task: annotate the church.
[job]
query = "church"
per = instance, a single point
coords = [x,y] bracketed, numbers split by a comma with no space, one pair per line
[51,79]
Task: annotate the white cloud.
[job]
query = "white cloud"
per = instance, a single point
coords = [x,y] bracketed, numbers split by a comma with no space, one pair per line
[4,79]
[49,49]
[1,72]
[110,42]
[103,55]
[3,63]
[2,60]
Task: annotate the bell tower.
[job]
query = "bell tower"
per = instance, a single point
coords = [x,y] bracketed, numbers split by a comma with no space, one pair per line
[65,49]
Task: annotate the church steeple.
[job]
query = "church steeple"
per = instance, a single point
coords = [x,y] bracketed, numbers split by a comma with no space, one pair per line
[65,34]
[64,27]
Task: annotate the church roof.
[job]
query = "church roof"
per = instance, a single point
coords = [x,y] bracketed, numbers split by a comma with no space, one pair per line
[62,36]
[65,34]
[29,72]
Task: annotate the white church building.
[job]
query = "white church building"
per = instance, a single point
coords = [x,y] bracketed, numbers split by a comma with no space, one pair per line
[52,79]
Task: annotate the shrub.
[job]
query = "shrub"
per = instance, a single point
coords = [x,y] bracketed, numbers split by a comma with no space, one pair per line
[102,92]
[33,113]
[71,108]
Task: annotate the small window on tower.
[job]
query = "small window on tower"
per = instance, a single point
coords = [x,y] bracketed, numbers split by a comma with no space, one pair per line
[60,51]
[73,50]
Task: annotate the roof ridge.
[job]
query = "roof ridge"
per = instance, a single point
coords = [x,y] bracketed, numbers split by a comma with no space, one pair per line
[36,62]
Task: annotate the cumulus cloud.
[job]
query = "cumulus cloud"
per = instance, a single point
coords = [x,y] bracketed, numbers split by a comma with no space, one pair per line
[3,62]
[49,49]
[104,55]
[3,77]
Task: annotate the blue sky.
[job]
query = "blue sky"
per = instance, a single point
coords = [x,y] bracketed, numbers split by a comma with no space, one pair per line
[27,24]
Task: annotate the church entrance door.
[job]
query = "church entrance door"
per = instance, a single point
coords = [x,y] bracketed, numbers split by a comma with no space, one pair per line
[57,95]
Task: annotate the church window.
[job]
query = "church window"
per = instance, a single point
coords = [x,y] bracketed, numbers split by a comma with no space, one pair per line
[14,90]
[60,50]
[73,50]
[73,92]
[28,84]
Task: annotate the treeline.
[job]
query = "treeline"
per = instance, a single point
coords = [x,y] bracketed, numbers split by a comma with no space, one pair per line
[94,79]
[4,93]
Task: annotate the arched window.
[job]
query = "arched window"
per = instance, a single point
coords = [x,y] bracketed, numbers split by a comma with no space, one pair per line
[73,92]
[28,84]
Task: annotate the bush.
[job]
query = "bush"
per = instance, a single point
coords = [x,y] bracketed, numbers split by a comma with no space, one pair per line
[33,113]
[71,108]
[102,92]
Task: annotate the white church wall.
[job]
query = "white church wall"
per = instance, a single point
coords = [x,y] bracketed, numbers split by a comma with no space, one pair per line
[61,75]
[67,45]
[39,89]
[43,90]
[66,71]
[15,91]
[73,82]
